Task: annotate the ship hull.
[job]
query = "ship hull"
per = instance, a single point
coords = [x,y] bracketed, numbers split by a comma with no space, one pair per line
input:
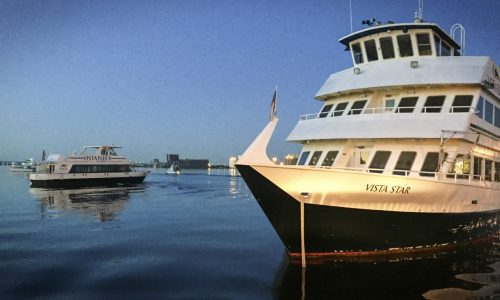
[89,181]
[330,229]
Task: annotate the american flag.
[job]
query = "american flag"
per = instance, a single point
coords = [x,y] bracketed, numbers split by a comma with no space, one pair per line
[273,106]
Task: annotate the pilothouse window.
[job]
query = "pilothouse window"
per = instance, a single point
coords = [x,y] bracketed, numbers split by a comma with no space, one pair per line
[356,53]
[424,44]
[371,50]
[404,44]
[387,47]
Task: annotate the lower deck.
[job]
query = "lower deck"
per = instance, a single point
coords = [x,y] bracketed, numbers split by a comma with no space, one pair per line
[448,160]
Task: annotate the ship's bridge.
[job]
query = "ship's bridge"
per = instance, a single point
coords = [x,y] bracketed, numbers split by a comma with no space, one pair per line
[396,41]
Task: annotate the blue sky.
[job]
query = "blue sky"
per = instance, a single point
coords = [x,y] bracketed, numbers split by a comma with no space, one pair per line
[188,77]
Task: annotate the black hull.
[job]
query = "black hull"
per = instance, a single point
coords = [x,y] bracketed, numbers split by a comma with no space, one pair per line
[330,229]
[87,182]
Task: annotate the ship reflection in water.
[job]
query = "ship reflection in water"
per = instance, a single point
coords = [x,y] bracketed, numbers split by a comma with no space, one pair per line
[103,204]
[470,273]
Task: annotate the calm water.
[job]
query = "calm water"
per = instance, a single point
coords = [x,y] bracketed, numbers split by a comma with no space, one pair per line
[196,236]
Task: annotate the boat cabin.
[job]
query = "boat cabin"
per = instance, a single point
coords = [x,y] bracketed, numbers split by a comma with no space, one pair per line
[394,41]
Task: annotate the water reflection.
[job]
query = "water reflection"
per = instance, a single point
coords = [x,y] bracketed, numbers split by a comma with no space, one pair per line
[466,273]
[104,204]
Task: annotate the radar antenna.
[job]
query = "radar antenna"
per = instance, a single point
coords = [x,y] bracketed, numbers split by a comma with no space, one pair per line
[461,42]
[419,14]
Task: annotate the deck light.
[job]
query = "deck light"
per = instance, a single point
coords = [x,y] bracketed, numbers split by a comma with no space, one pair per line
[357,71]
[414,64]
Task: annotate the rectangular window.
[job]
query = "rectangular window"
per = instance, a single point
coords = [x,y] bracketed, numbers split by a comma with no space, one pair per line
[497,171]
[315,158]
[488,165]
[424,44]
[379,161]
[497,116]
[405,162]
[326,109]
[356,53]
[357,107]
[431,164]
[433,104]
[480,108]
[478,166]
[407,104]
[460,167]
[339,110]
[389,104]
[303,158]
[371,50]
[461,104]
[445,49]
[437,44]
[330,158]
[488,111]
[404,44]
[387,47]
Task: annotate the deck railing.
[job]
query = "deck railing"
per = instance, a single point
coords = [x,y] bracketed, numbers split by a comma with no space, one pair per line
[439,176]
[384,110]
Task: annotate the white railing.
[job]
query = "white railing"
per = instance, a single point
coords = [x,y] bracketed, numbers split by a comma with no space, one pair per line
[383,110]
[439,176]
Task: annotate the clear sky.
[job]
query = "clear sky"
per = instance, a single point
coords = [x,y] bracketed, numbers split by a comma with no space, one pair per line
[189,77]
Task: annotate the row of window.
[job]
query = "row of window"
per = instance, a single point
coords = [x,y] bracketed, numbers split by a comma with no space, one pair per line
[489,112]
[433,104]
[99,169]
[460,167]
[404,45]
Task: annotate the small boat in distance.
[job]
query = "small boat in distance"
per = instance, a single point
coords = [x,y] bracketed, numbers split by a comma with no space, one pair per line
[404,154]
[26,166]
[103,168]
[174,169]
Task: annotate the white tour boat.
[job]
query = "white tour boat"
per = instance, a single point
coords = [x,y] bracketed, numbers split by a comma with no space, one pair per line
[403,155]
[26,166]
[103,168]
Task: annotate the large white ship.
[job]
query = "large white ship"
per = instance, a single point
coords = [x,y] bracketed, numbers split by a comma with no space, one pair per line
[104,167]
[403,155]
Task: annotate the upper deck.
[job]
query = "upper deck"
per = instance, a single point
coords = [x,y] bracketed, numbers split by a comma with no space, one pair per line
[407,54]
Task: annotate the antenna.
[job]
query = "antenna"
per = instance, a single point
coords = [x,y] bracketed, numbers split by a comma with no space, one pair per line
[461,42]
[350,12]
[419,14]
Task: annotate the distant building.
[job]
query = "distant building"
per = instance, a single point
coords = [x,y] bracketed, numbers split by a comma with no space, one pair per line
[291,159]
[172,158]
[187,163]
